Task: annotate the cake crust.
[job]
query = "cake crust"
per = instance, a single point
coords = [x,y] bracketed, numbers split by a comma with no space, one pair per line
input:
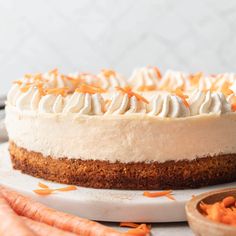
[140,176]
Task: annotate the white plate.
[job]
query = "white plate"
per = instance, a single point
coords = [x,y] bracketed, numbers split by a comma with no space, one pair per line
[102,205]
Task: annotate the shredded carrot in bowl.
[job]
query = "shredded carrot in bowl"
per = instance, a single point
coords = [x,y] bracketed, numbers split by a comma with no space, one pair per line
[223,211]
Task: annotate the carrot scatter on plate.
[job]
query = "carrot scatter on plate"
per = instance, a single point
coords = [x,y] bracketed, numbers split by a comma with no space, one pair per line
[136,229]
[167,193]
[45,190]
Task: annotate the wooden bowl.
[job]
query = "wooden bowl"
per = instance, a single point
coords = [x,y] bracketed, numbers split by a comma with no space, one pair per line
[200,224]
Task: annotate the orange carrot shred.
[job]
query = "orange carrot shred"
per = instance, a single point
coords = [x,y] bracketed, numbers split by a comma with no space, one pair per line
[68,188]
[108,73]
[157,194]
[85,88]
[58,91]
[179,93]
[233,107]
[45,191]
[223,211]
[144,88]
[41,185]
[130,93]
[158,72]
[228,201]
[170,196]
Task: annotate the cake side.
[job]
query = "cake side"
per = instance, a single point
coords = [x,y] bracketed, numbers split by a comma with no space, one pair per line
[103,174]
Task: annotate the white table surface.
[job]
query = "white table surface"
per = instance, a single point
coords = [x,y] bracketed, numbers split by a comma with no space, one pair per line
[160,229]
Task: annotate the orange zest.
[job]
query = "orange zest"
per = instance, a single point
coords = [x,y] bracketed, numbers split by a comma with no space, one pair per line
[168,194]
[130,93]
[41,185]
[85,88]
[222,212]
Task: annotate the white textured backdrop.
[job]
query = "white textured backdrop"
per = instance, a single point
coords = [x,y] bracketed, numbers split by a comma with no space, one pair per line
[38,35]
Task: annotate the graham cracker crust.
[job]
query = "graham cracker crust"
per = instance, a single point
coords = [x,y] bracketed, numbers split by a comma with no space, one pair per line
[140,176]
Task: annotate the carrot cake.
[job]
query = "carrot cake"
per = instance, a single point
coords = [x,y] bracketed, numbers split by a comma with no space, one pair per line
[150,131]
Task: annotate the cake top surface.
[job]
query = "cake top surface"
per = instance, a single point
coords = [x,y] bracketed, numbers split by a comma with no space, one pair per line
[173,94]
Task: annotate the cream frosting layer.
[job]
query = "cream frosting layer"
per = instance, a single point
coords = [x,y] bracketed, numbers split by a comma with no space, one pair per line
[129,138]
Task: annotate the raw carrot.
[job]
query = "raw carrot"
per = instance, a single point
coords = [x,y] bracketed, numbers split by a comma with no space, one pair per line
[11,224]
[41,229]
[27,207]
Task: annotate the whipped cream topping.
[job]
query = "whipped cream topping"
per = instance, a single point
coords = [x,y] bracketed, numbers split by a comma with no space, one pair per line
[145,78]
[173,80]
[167,105]
[123,104]
[110,79]
[85,103]
[206,102]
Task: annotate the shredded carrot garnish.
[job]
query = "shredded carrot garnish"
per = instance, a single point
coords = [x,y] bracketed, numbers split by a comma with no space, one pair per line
[194,78]
[225,89]
[84,88]
[130,93]
[138,229]
[53,72]
[158,72]
[18,82]
[40,89]
[45,191]
[108,73]
[144,88]
[68,188]
[25,88]
[223,211]
[74,81]
[233,107]
[41,185]
[170,196]
[179,93]
[58,91]
[157,194]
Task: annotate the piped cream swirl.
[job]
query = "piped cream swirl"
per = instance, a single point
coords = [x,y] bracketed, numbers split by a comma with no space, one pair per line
[206,102]
[167,105]
[110,79]
[144,79]
[123,104]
